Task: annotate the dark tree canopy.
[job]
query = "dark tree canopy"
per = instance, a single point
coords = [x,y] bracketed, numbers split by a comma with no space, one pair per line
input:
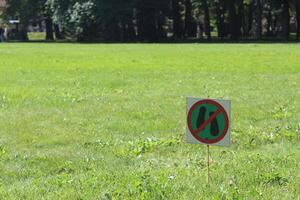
[158,20]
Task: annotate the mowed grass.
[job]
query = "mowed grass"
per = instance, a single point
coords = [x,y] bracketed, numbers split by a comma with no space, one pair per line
[33,36]
[107,121]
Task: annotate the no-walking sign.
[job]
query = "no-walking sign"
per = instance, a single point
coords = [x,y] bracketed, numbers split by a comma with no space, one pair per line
[208,121]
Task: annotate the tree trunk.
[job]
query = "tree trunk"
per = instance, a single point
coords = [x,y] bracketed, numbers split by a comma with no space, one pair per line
[269,23]
[131,32]
[40,26]
[177,22]
[149,29]
[160,27]
[250,17]
[240,19]
[188,19]
[232,20]
[220,11]
[258,22]
[24,33]
[117,30]
[298,18]
[275,25]
[139,23]
[286,19]
[49,28]
[58,34]
[206,20]
[125,35]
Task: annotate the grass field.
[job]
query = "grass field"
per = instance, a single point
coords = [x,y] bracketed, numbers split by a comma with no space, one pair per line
[33,36]
[108,121]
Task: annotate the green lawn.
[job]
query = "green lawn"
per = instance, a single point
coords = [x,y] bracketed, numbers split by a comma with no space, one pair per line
[108,121]
[33,36]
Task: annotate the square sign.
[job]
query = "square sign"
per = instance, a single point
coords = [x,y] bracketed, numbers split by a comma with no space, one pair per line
[208,121]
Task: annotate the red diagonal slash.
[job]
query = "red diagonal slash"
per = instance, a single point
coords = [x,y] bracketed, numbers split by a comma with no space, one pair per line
[206,122]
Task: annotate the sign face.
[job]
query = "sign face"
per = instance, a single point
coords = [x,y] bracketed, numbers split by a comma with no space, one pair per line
[208,121]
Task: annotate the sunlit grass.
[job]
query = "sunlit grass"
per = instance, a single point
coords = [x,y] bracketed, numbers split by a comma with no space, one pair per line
[32,36]
[108,121]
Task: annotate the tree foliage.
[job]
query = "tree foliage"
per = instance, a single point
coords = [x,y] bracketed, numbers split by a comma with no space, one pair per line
[156,20]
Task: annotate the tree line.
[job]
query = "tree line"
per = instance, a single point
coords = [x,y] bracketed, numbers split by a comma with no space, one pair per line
[158,20]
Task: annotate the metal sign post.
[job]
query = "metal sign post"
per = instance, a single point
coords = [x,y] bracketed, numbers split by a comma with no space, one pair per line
[208,175]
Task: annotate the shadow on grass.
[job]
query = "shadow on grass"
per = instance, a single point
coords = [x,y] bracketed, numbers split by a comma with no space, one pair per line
[172,41]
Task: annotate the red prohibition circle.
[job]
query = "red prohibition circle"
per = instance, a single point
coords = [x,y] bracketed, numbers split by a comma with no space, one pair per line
[195,132]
